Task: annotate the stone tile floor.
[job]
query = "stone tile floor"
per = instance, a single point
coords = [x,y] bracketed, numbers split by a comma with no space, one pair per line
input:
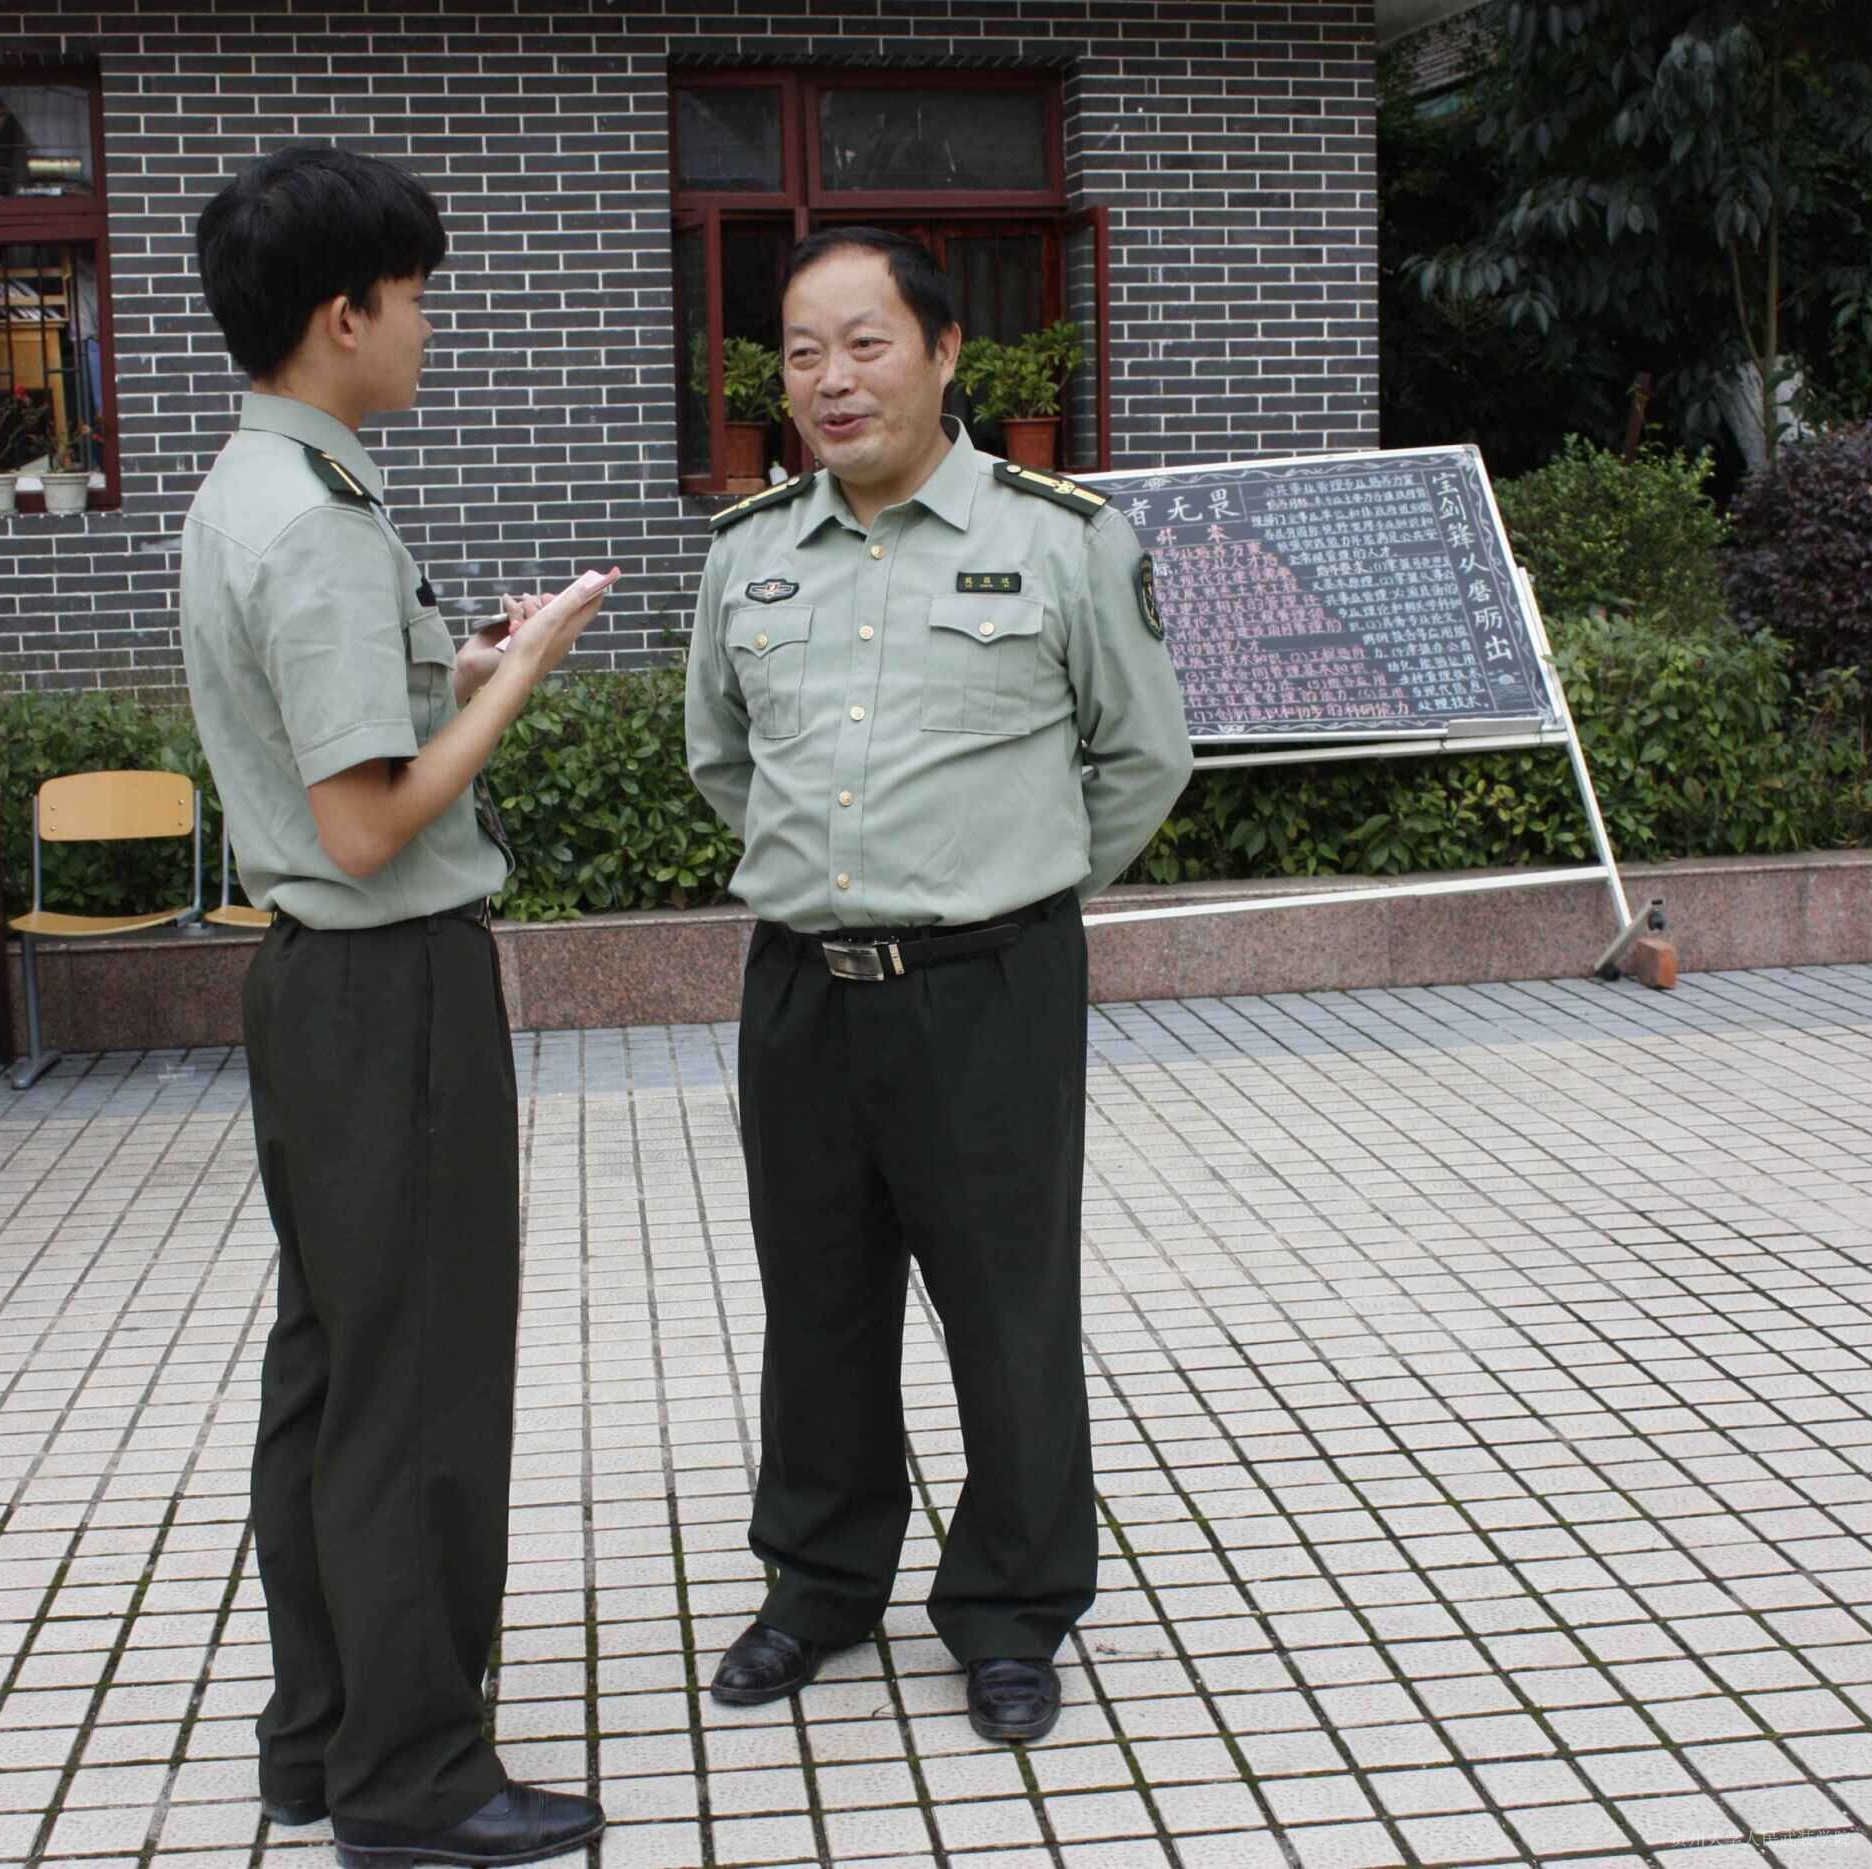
[1484,1413]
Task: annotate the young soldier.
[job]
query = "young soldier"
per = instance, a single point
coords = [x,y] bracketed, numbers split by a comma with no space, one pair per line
[345,735]
[899,666]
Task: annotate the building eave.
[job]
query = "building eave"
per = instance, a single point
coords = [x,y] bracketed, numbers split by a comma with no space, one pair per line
[1396,18]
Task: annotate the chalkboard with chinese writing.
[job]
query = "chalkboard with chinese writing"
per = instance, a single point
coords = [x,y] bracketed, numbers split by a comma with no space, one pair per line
[1359,596]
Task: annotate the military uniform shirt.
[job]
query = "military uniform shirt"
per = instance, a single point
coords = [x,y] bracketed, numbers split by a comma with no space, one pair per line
[312,644]
[892,719]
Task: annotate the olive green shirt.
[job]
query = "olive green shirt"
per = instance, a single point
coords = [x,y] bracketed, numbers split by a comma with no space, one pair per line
[312,644]
[896,720]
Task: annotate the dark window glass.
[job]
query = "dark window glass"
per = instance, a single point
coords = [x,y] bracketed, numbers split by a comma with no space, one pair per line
[45,140]
[899,139]
[728,140]
[692,403]
[998,283]
[52,369]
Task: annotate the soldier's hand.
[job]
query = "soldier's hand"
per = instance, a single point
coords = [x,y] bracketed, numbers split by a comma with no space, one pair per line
[539,638]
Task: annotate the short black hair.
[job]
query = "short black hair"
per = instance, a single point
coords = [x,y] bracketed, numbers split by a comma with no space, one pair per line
[923,285]
[301,227]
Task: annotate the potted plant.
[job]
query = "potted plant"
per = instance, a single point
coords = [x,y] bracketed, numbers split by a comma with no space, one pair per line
[1019,385]
[22,424]
[753,396]
[67,482]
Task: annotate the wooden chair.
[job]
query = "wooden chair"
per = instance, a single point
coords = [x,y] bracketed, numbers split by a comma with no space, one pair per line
[98,807]
[234,914]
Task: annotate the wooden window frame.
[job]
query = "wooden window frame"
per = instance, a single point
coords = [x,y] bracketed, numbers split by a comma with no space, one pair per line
[809,205]
[77,220]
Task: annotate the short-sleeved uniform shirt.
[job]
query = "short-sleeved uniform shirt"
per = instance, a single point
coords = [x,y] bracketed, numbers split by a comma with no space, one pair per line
[896,718]
[312,644]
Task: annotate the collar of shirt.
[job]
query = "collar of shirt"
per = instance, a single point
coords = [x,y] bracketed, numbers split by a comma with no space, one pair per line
[949,492]
[286,415]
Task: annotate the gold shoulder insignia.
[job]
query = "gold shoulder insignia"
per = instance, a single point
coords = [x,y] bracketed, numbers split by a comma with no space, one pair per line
[767,496]
[338,477]
[1066,493]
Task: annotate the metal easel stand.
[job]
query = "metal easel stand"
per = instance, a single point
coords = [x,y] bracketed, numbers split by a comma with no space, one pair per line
[1481,736]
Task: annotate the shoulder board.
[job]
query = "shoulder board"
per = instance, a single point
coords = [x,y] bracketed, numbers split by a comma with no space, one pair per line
[339,478]
[768,496]
[1066,493]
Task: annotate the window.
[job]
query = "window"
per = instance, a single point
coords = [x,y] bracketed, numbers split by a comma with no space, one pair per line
[55,369]
[971,163]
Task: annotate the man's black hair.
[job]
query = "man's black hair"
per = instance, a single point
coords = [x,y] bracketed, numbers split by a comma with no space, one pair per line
[922,284]
[304,226]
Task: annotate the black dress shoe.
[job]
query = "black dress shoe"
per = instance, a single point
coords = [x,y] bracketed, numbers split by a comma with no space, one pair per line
[290,1813]
[1013,1700]
[522,1825]
[765,1664]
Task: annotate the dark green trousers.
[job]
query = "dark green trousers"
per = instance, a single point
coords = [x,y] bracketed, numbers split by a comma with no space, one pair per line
[940,1116]
[383,1101]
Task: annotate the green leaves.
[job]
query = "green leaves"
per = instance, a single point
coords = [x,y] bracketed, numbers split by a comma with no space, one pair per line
[1022,379]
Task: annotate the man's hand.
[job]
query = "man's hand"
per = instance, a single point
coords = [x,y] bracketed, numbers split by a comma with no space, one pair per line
[478,658]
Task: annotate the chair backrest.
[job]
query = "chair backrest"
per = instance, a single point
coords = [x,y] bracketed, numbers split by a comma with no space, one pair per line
[93,807]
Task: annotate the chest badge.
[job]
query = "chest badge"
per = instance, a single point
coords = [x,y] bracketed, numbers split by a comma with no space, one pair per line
[772,591]
[989,583]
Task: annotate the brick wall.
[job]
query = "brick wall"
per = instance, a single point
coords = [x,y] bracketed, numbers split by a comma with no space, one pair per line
[1232,141]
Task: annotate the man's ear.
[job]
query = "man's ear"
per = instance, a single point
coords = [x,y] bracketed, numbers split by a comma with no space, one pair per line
[339,321]
[948,348]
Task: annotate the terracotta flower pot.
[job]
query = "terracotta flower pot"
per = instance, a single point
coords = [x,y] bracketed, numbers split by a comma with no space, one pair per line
[747,456]
[1032,441]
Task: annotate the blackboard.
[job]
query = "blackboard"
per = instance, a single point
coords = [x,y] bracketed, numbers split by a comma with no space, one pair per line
[1351,596]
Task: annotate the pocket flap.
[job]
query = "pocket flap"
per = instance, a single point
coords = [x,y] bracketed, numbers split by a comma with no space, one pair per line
[429,639]
[988,620]
[760,628]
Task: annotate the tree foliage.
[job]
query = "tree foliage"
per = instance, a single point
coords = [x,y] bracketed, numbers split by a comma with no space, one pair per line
[1683,177]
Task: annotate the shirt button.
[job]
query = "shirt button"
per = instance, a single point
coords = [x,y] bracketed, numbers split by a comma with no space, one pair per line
[987,629]
[844,882]
[877,551]
[760,641]
[845,798]
[857,713]
[866,632]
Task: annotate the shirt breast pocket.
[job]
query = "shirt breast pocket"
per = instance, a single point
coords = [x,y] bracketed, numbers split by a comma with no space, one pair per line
[431,652]
[768,645]
[980,657]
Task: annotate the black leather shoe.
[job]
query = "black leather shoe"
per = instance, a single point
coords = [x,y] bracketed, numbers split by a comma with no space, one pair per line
[1013,1700]
[523,1825]
[291,1813]
[765,1664]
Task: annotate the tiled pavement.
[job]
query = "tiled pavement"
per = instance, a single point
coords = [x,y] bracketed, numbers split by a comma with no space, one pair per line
[1481,1388]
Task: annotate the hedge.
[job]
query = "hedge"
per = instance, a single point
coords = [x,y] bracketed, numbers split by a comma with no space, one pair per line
[1699,743]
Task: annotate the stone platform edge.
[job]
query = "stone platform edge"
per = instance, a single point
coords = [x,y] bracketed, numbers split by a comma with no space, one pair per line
[172,990]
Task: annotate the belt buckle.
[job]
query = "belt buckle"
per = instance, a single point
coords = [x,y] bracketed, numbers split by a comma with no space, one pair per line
[853,960]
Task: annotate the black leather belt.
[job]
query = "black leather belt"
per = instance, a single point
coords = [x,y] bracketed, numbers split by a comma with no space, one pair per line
[481,913]
[879,954]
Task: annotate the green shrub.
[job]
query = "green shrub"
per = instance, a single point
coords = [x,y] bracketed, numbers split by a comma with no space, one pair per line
[1595,531]
[1698,746]
[49,733]
[593,786]
[1801,563]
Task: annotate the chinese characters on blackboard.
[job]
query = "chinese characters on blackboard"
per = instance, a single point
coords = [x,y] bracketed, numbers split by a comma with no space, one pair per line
[1354,596]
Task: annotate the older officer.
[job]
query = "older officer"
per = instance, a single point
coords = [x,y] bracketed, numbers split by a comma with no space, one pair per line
[899,668]
[345,735]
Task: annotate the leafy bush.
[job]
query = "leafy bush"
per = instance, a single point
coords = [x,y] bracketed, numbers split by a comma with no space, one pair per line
[593,786]
[47,734]
[1698,745]
[1021,380]
[1595,531]
[1801,562]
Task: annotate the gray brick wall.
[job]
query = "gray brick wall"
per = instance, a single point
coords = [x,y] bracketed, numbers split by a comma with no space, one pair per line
[1233,143]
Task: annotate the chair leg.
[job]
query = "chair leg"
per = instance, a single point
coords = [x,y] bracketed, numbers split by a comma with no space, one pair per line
[29,1069]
